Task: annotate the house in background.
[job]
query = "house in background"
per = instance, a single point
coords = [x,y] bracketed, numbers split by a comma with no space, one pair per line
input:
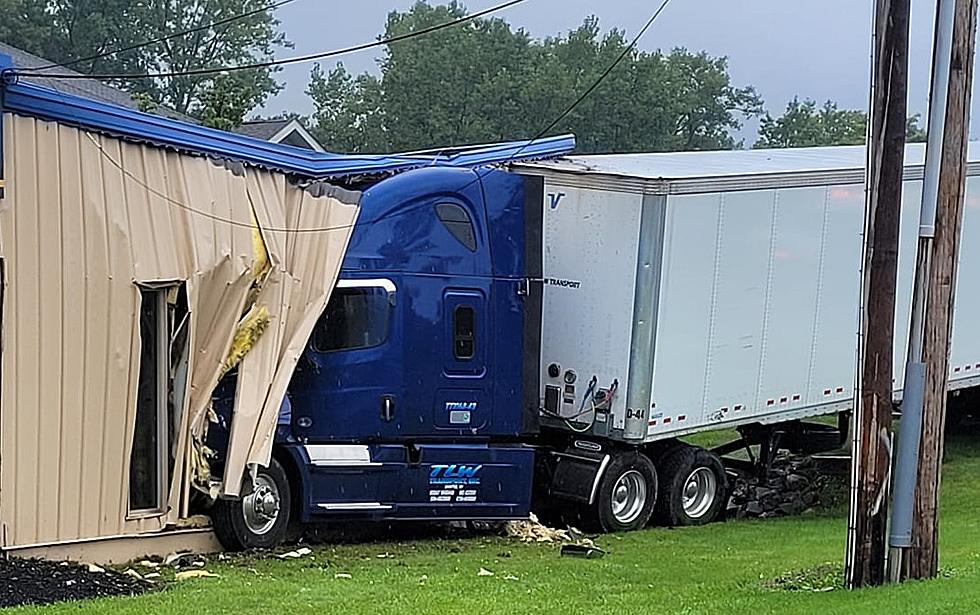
[283,131]
[91,89]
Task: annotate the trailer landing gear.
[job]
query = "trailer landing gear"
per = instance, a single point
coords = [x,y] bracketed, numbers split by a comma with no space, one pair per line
[258,520]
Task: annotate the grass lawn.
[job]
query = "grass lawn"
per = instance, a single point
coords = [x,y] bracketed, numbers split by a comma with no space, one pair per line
[722,568]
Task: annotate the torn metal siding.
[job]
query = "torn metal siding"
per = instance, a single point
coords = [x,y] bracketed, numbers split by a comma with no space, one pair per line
[85,218]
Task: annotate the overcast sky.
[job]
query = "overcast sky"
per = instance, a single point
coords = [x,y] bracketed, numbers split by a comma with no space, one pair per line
[817,49]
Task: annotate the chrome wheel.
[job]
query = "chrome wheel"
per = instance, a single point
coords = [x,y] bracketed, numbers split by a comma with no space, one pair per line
[700,490]
[629,496]
[261,507]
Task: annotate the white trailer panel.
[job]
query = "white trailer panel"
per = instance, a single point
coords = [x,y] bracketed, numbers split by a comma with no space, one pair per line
[724,298]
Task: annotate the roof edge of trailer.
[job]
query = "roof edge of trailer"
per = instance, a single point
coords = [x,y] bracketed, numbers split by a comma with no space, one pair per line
[28,99]
[578,172]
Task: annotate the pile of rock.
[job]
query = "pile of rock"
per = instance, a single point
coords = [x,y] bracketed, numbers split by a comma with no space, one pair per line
[793,485]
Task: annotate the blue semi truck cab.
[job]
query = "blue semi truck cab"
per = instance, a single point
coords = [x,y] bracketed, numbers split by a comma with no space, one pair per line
[417,395]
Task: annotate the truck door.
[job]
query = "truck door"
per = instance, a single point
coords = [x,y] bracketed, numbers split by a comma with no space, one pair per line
[348,384]
[463,399]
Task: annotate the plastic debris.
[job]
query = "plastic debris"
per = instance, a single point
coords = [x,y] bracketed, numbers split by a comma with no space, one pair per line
[94,569]
[342,575]
[484,573]
[296,554]
[589,551]
[511,577]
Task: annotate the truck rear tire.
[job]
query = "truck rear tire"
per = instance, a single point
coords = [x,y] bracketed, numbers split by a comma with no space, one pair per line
[258,520]
[626,494]
[695,487]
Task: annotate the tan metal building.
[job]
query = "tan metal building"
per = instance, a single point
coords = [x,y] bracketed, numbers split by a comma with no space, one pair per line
[142,258]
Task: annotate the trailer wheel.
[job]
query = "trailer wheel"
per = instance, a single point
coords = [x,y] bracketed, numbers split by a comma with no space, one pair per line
[694,489]
[626,494]
[260,519]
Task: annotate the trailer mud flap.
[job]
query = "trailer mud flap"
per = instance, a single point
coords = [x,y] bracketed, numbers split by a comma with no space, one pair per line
[576,475]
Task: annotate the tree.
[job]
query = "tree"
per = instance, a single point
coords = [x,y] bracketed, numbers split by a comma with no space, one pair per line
[73,30]
[805,125]
[348,114]
[483,81]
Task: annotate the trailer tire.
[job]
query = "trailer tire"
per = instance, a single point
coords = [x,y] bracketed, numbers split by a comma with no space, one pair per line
[695,487]
[260,519]
[626,494]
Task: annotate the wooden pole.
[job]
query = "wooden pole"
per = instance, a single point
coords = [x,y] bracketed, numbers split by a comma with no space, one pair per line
[922,559]
[868,519]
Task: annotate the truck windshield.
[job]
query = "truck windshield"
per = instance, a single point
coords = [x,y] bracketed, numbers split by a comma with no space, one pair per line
[354,318]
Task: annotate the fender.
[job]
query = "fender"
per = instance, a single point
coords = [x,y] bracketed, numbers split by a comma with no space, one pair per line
[577,471]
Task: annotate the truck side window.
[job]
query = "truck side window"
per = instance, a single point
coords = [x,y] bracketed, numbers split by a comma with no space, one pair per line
[464,338]
[457,221]
[355,318]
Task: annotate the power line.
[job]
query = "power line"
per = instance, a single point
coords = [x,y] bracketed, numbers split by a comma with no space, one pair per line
[206,214]
[163,39]
[537,137]
[629,48]
[284,62]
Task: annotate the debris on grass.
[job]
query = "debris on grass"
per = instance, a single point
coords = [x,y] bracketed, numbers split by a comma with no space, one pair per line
[33,581]
[174,558]
[194,574]
[129,572]
[585,549]
[298,553]
[343,575]
[533,530]
[821,578]
[484,573]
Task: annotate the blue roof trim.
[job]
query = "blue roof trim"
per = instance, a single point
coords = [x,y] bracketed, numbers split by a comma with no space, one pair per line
[29,99]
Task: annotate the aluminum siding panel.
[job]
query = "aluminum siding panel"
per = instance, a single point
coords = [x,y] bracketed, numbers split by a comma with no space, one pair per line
[86,218]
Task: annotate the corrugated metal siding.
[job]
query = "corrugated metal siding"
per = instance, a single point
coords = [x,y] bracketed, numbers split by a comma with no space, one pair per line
[85,218]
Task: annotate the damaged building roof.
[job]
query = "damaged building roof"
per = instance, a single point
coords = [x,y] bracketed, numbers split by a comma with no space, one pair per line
[27,95]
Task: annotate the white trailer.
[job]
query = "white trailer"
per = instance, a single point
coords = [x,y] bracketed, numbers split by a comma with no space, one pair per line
[720,289]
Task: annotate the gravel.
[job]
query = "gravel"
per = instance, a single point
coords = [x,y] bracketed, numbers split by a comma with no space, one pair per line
[34,581]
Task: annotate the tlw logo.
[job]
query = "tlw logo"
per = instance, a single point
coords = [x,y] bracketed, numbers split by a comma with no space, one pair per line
[455,474]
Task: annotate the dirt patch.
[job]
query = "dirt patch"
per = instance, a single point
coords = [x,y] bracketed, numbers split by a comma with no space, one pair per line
[823,578]
[33,581]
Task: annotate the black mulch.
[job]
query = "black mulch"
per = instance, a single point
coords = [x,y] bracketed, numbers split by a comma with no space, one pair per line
[32,581]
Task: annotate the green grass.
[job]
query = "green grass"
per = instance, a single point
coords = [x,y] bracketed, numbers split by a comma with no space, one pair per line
[733,567]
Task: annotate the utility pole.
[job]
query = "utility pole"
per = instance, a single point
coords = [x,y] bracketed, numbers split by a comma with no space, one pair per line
[871,448]
[916,523]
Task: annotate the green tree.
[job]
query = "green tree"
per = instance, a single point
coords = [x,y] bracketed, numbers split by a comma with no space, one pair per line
[803,124]
[348,115]
[72,30]
[484,81]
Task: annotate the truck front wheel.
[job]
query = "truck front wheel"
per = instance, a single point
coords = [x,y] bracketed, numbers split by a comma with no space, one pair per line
[258,520]
[626,493]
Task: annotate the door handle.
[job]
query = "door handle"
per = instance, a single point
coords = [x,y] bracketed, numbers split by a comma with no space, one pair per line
[387,408]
